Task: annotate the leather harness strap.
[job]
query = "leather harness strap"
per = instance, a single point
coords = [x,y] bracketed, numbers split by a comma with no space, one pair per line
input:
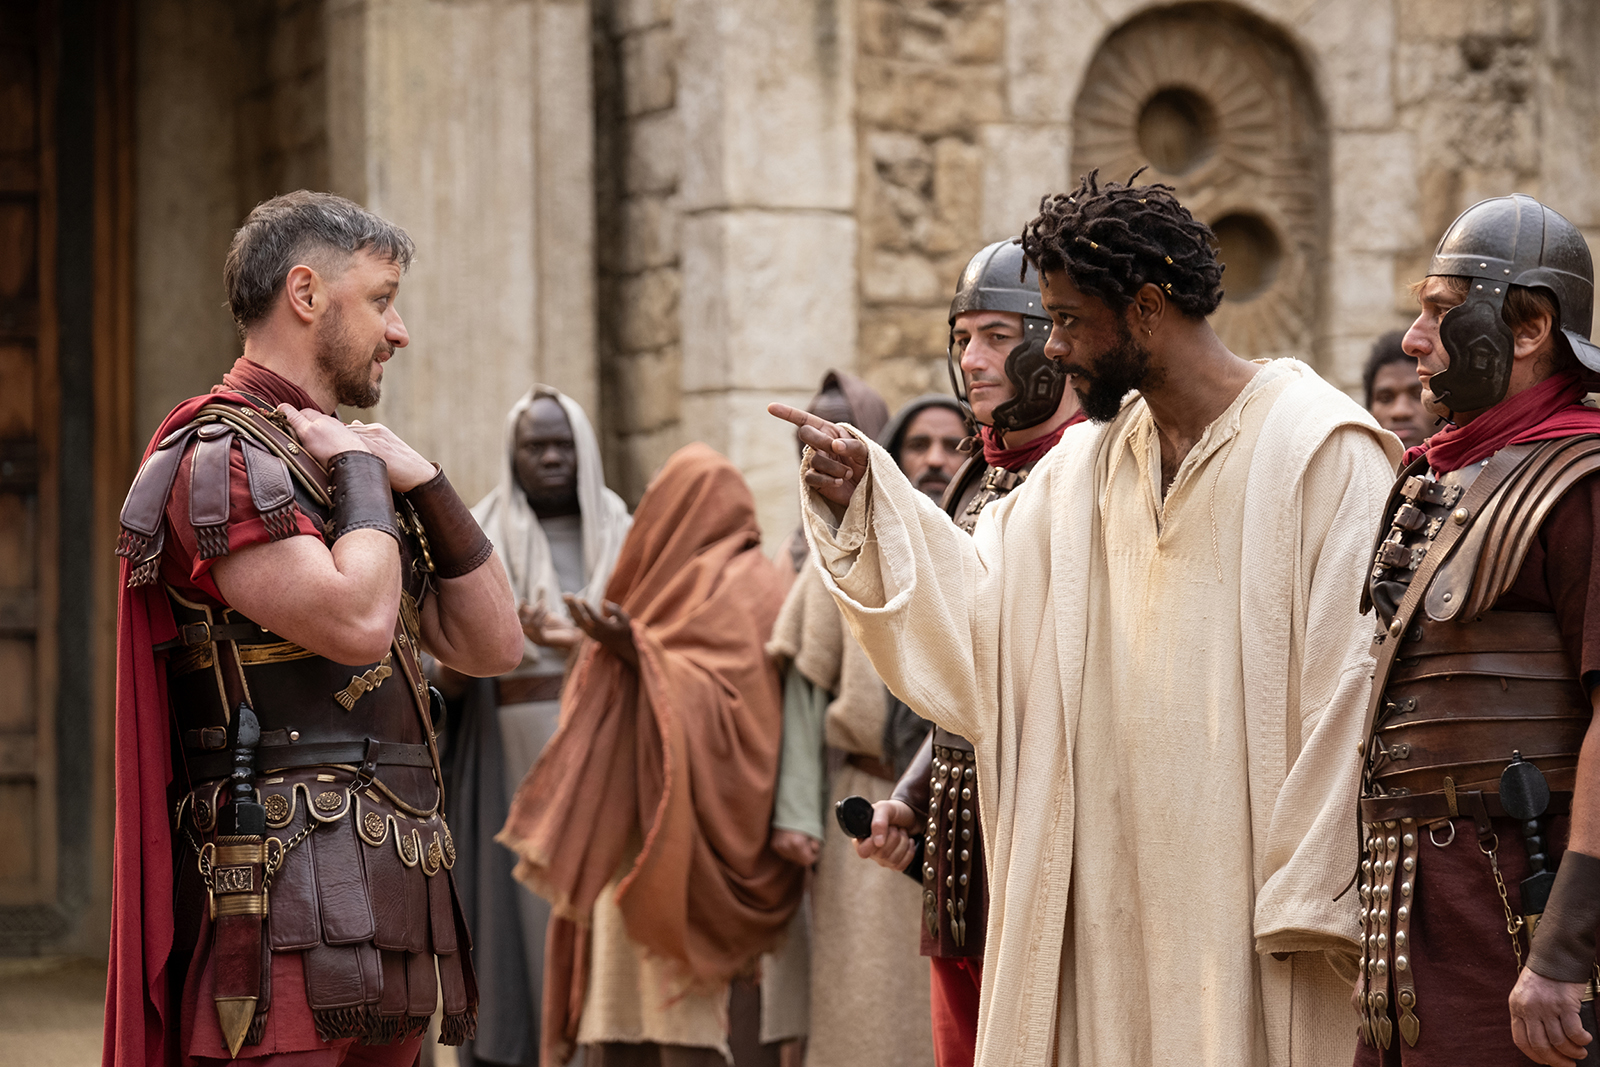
[206,766]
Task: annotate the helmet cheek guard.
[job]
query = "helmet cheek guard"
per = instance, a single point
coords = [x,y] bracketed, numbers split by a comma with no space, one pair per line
[1039,383]
[1480,345]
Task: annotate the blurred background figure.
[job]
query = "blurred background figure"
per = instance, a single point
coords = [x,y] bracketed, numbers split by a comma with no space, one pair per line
[559,529]
[645,821]
[1394,395]
[925,439]
[864,918]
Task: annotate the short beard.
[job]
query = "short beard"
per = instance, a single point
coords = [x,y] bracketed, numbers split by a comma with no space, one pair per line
[336,357]
[1121,370]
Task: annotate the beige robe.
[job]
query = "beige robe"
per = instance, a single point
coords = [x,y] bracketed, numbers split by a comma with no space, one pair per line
[865,919]
[1165,698]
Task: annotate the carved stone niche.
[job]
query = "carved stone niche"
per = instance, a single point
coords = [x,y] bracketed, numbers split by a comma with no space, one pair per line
[1219,106]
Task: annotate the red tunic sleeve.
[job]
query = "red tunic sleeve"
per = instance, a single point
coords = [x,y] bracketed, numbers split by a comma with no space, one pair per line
[181,565]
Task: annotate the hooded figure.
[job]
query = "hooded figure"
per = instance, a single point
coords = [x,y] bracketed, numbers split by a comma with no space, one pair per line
[506,721]
[645,821]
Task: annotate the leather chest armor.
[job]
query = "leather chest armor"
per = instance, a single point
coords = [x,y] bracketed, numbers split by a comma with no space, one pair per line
[1461,688]
[357,854]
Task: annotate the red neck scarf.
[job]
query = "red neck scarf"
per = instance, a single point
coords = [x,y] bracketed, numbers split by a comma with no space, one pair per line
[250,377]
[1023,456]
[1549,410]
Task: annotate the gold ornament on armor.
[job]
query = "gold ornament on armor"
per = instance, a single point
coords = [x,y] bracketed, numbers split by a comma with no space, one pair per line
[362,684]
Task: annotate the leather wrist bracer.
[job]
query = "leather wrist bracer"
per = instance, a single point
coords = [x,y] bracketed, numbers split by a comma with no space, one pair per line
[358,482]
[1563,948]
[455,540]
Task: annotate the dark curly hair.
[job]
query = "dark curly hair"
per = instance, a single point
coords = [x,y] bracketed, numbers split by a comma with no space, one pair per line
[1111,239]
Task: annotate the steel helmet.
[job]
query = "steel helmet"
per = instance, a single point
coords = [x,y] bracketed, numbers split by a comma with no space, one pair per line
[999,278]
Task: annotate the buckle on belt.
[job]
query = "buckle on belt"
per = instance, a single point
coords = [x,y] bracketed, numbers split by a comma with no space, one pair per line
[194,633]
[368,771]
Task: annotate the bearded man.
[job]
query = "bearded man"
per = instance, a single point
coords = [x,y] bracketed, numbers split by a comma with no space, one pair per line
[1152,648]
[1481,796]
[282,881]
[1020,400]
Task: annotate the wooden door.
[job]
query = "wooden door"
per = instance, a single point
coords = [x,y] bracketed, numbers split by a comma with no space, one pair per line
[27,462]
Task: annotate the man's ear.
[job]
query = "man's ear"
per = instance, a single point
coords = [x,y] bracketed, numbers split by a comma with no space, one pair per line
[1147,310]
[305,292]
[1532,338]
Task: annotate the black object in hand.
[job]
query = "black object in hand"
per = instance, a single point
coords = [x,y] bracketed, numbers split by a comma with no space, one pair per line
[855,817]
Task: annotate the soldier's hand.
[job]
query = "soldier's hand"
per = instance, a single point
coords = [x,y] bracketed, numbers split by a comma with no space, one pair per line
[890,843]
[796,847]
[1544,1019]
[407,468]
[837,461]
[322,436]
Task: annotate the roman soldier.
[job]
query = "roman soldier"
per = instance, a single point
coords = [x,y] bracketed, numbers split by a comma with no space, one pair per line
[1480,810]
[1020,401]
[283,873]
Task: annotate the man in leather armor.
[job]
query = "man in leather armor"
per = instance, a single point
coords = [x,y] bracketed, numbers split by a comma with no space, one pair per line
[1022,404]
[283,868]
[1480,761]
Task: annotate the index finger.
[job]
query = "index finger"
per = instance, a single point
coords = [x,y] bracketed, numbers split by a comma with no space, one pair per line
[802,418]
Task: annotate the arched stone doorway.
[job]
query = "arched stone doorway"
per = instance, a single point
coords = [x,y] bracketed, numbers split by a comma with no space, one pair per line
[1217,104]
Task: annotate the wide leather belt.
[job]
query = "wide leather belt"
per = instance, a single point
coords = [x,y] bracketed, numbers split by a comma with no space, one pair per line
[208,765]
[527,690]
[1428,807]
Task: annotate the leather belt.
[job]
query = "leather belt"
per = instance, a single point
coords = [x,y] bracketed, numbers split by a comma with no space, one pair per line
[1429,807]
[205,766]
[527,689]
[872,765]
[205,633]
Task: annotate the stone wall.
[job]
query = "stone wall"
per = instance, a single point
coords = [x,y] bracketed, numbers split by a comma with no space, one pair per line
[929,78]
[639,146]
[230,109]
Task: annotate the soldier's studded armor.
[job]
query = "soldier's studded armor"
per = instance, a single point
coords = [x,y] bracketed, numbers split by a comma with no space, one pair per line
[955,895]
[358,856]
[1461,686]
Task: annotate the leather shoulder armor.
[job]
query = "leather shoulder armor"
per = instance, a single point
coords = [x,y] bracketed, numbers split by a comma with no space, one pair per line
[276,467]
[1485,563]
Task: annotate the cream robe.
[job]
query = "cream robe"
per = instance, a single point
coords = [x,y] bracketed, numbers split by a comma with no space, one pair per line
[1165,698]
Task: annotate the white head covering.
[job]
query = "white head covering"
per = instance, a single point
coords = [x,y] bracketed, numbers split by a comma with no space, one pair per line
[509,522]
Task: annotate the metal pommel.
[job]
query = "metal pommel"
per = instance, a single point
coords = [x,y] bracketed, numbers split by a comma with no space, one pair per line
[1495,244]
[1000,278]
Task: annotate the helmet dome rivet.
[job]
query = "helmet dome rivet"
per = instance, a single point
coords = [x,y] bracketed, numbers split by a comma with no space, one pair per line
[1497,288]
[1480,288]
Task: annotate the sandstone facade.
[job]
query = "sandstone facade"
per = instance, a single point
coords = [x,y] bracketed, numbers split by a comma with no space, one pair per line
[679,209]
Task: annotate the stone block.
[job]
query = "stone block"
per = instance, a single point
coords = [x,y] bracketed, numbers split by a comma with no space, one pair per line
[769,299]
[924,34]
[928,99]
[1353,48]
[901,158]
[641,455]
[654,153]
[1515,19]
[634,15]
[1410,268]
[1374,191]
[891,332]
[1360,292]
[649,236]
[648,317]
[1021,164]
[1048,45]
[766,94]
[978,34]
[900,380]
[644,391]
[649,70]
[1423,68]
[899,278]
[957,196]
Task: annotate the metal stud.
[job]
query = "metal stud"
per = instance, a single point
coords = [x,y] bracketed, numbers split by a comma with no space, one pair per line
[927,871]
[1405,889]
[1402,913]
[1409,841]
[966,814]
[1409,864]
[1459,516]
[965,856]
[966,794]
[1400,963]
[1393,844]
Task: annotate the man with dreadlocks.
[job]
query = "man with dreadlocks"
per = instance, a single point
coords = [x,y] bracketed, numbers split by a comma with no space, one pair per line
[1152,646]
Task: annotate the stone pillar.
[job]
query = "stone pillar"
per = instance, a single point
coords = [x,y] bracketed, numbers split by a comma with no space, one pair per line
[765,95]
[471,125]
